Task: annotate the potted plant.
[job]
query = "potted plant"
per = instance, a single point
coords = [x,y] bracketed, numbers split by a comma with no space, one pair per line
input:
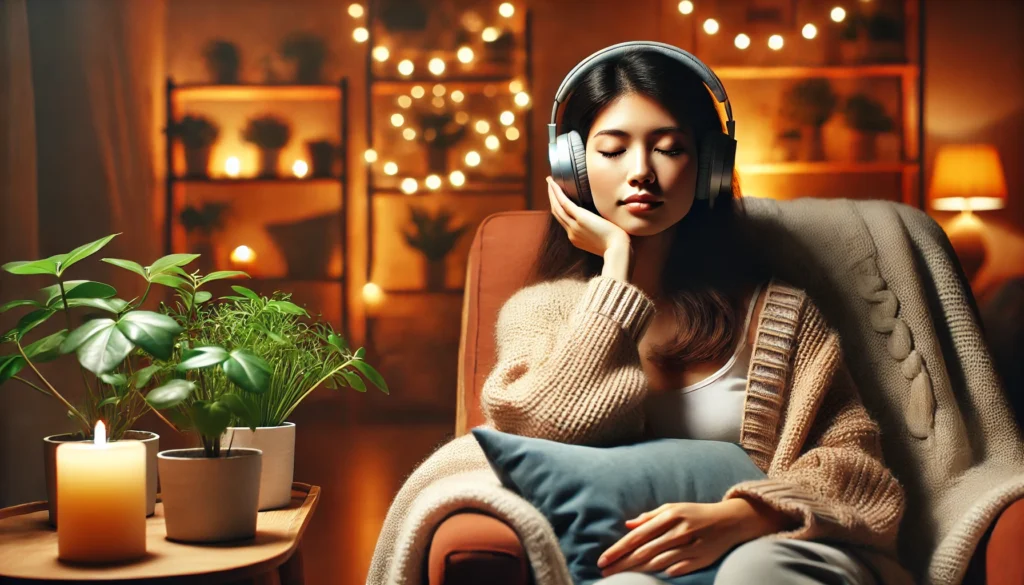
[200,224]
[198,397]
[304,356]
[885,36]
[440,133]
[322,154]
[308,53]
[197,135]
[116,351]
[270,134]
[222,61]
[867,118]
[789,145]
[853,41]
[810,103]
[434,239]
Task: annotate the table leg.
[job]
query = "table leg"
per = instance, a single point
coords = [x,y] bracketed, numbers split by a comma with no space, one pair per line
[290,572]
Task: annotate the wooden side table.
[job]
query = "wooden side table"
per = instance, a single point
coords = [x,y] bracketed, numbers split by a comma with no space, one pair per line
[28,550]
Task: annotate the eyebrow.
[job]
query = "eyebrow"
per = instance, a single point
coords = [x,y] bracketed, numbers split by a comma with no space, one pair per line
[624,134]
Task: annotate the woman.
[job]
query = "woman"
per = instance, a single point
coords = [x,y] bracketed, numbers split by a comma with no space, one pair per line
[655,304]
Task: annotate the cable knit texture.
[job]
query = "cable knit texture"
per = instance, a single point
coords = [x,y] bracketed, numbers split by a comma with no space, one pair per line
[900,341]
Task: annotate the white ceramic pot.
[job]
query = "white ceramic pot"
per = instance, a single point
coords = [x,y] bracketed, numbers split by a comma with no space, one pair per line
[278,446]
[50,444]
[210,499]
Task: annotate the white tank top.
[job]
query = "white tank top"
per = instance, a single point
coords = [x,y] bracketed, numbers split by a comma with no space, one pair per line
[711,409]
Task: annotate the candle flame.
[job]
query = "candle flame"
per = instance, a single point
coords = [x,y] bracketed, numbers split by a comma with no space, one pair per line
[99,437]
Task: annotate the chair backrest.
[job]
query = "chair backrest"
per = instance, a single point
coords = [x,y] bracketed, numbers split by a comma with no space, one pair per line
[501,257]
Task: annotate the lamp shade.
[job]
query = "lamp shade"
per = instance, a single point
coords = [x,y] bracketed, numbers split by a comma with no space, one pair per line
[967,177]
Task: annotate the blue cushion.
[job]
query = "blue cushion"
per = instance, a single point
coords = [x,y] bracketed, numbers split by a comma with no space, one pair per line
[588,493]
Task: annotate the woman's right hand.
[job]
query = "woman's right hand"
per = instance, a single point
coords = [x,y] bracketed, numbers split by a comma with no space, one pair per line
[587,231]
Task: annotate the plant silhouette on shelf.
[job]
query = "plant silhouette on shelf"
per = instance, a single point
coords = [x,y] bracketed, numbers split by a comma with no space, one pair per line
[197,134]
[434,238]
[809,104]
[200,224]
[222,61]
[270,134]
[867,118]
[308,53]
[440,132]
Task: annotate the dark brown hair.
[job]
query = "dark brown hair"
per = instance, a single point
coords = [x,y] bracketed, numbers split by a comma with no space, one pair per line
[710,267]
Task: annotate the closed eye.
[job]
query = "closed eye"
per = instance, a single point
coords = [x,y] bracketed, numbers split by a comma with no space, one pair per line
[675,152]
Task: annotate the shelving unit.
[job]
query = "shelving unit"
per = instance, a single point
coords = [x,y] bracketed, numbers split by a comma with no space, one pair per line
[178,97]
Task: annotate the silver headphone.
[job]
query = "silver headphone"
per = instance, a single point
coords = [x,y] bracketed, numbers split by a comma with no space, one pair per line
[716,153]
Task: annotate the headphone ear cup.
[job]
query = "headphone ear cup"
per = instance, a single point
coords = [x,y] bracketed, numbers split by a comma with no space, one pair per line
[715,162]
[578,152]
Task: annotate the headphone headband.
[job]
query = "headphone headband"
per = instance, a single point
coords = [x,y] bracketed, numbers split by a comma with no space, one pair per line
[707,76]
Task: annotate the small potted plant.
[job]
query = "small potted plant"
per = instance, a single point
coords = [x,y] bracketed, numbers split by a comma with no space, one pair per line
[434,238]
[270,134]
[885,38]
[789,145]
[810,103]
[304,356]
[307,52]
[222,61]
[440,133]
[197,135]
[867,119]
[322,155]
[200,224]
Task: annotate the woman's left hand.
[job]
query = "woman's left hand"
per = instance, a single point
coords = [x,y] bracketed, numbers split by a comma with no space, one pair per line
[681,538]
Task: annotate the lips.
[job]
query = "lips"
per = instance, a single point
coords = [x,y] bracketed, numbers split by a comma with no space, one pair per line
[642,198]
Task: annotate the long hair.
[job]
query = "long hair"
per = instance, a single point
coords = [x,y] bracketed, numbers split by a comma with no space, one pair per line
[710,265]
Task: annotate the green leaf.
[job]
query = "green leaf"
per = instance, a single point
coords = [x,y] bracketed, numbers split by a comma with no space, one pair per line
[203,296]
[245,292]
[45,266]
[338,342]
[10,365]
[167,262]
[222,274]
[111,400]
[354,381]
[151,331]
[170,394]
[181,420]
[32,320]
[211,418]
[77,289]
[171,281]
[46,349]
[84,251]
[360,353]
[142,377]
[247,371]
[20,303]
[287,308]
[127,265]
[114,306]
[115,380]
[243,408]
[371,375]
[202,357]
[100,345]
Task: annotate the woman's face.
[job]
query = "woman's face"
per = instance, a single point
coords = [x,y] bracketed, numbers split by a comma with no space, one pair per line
[635,146]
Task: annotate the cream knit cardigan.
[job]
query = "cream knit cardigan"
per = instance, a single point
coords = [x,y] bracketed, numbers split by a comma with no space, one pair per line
[568,370]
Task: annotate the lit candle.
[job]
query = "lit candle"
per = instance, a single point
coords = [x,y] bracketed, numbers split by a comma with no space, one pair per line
[101,500]
[243,256]
[232,166]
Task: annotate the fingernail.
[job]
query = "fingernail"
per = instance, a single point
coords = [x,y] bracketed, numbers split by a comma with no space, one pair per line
[601,563]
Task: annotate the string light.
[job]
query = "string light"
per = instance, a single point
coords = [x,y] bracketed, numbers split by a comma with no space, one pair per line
[397,120]
[458,96]
[406,67]
[418,91]
[438,90]
[372,294]
[461,117]
[465,55]
[512,134]
[472,158]
[490,91]
[515,86]
[775,42]
[355,10]
[381,53]
[492,142]
[489,35]
[361,35]
[404,101]
[438,102]
[686,7]
[742,41]
[436,66]
[370,155]
[482,126]
[809,31]
[409,134]
[390,168]
[711,26]
[506,9]
[457,178]
[522,100]
[433,182]
[838,14]
[507,118]
[409,185]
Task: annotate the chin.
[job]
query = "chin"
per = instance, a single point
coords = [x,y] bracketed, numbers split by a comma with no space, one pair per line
[636,226]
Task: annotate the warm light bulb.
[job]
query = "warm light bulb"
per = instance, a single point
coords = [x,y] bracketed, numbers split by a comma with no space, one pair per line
[686,7]
[457,178]
[492,142]
[397,120]
[372,294]
[482,126]
[512,134]
[458,96]
[417,91]
[404,101]
[506,9]
[370,155]
[489,35]
[361,35]
[809,31]
[390,168]
[472,158]
[515,86]
[775,42]
[439,90]
[490,91]
[838,14]
[433,182]
[507,118]
[300,168]
[355,10]
[232,166]
[381,53]
[409,185]
[461,118]
[742,41]
[405,67]
[436,66]
[711,26]
[243,255]
[409,134]
[465,55]
[522,99]
[438,102]
[99,434]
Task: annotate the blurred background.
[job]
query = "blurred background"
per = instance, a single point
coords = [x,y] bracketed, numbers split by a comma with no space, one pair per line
[345,152]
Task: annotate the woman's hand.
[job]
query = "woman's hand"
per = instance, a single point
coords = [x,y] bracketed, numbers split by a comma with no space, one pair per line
[681,538]
[587,230]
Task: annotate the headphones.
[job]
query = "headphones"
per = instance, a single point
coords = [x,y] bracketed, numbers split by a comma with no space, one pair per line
[716,151]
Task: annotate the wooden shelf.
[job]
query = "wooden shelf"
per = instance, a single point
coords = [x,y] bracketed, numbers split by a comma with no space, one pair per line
[799,72]
[825,167]
[257,92]
[391,86]
[257,180]
[454,191]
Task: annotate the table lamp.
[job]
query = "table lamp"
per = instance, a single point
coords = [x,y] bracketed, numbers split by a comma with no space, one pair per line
[967,178]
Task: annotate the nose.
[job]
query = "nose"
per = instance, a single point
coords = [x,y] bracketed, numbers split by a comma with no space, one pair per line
[642,172]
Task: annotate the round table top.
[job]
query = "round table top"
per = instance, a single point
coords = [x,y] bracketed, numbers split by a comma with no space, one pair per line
[28,547]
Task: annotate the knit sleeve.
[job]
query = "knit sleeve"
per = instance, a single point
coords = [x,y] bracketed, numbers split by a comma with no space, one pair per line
[568,368]
[838,487]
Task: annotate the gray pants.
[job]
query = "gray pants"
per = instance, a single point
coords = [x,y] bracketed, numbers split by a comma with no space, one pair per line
[770,561]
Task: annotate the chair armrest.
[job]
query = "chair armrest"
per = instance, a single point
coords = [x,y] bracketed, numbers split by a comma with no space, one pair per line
[1004,563]
[471,547]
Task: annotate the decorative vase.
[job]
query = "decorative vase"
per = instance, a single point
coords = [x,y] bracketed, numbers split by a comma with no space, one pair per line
[210,499]
[321,159]
[278,447]
[50,444]
[197,162]
[864,146]
[811,145]
[269,159]
[435,274]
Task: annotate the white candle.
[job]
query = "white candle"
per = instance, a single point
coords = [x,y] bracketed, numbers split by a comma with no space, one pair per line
[101,500]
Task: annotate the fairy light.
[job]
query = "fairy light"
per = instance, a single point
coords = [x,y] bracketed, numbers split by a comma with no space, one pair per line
[390,168]
[465,55]
[686,7]
[417,91]
[507,118]
[492,142]
[397,120]
[438,90]
[381,53]
[489,35]
[472,158]
[370,155]
[372,294]
[361,35]
[409,185]
[742,41]
[405,67]
[458,96]
[522,99]
[457,178]
[838,14]
[506,9]
[355,10]
[404,101]
[433,182]
[482,126]
[436,66]
[409,134]
[461,118]
[490,91]
[438,102]
[775,42]
[711,26]
[515,86]
[512,134]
